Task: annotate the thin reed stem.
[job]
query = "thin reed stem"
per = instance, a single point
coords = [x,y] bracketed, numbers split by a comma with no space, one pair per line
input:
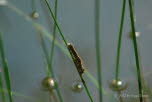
[97,44]
[6,70]
[50,73]
[136,51]
[50,60]
[36,25]
[60,32]
[54,37]
[1,87]
[120,40]
[47,35]
[40,28]
[59,93]
[55,21]
[52,50]
[86,88]
[46,55]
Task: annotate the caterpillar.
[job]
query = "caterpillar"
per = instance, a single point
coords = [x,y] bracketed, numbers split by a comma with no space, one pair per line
[76,58]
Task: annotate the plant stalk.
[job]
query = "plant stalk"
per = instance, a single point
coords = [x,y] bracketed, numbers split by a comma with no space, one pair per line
[136,51]
[62,35]
[97,44]
[120,40]
[6,70]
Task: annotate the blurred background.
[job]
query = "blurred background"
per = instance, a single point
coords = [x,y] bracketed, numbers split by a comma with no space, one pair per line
[76,19]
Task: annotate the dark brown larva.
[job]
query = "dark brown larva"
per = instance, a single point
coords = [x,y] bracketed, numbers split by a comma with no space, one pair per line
[77,59]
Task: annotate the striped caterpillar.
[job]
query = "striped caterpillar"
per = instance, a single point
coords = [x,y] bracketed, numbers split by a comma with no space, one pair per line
[77,59]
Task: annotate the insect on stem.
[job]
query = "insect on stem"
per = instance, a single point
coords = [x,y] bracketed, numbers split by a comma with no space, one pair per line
[77,59]
[78,63]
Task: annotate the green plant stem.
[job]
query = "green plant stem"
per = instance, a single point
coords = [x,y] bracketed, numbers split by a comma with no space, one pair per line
[50,73]
[59,93]
[46,55]
[52,53]
[54,37]
[39,27]
[97,44]
[136,51]
[55,21]
[133,4]
[86,88]
[1,87]
[6,70]
[120,40]
[49,61]
[47,35]
[83,81]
